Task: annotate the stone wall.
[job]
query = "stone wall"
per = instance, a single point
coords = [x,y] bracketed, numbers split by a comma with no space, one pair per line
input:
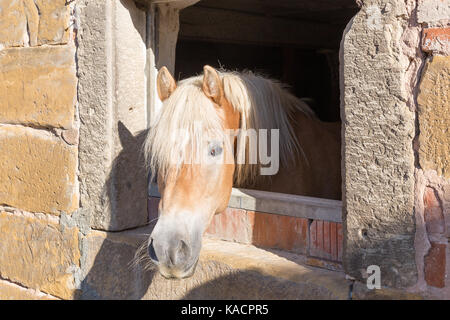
[395,109]
[39,128]
[73,114]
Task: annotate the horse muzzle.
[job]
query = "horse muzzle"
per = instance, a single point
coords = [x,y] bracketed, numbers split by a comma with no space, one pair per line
[175,256]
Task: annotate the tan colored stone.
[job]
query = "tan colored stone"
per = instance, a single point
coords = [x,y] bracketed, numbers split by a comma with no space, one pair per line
[37,172]
[11,291]
[37,253]
[38,86]
[32,15]
[434,116]
[54,21]
[39,22]
[13,23]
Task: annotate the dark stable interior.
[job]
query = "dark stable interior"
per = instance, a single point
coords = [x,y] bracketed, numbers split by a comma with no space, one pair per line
[294,41]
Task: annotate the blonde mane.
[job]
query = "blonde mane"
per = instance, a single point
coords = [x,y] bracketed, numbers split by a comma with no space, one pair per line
[261,102]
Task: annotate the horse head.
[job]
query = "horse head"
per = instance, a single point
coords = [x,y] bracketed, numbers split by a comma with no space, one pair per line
[193,156]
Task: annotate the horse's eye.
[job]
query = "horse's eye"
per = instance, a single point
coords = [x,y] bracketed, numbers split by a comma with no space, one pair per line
[215,151]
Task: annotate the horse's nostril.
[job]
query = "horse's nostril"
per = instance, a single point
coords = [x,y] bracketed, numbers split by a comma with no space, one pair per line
[151,251]
[180,254]
[184,250]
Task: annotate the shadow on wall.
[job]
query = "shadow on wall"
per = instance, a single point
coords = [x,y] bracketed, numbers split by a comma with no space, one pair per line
[109,254]
[131,6]
[105,266]
[107,270]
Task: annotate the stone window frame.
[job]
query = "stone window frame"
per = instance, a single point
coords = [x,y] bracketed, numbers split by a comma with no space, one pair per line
[369,198]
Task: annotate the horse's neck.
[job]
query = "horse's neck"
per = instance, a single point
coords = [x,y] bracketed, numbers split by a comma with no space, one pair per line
[317,171]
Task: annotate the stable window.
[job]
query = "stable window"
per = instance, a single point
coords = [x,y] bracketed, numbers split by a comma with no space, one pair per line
[296,42]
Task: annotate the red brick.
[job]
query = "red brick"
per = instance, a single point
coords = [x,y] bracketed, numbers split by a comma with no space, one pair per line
[326,240]
[433,213]
[319,231]
[435,265]
[430,198]
[340,240]
[334,244]
[261,229]
[232,225]
[280,232]
[436,40]
[265,230]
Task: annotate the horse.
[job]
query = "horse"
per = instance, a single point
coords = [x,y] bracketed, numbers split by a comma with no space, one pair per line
[198,150]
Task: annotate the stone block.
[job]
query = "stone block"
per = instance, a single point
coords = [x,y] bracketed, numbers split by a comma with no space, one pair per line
[11,291]
[287,204]
[378,132]
[434,116]
[32,15]
[28,22]
[113,113]
[109,271]
[38,253]
[13,24]
[54,20]
[38,86]
[38,171]
[433,11]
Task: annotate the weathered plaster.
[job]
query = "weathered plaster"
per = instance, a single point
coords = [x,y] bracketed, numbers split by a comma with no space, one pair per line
[378,158]
[113,112]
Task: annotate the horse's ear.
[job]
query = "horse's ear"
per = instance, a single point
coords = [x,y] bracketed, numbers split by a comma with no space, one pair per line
[212,85]
[125,135]
[165,84]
